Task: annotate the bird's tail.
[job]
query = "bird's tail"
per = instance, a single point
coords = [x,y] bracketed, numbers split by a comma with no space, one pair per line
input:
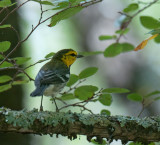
[38,91]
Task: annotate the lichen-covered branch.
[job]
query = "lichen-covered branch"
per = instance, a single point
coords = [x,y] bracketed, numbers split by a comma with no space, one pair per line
[72,124]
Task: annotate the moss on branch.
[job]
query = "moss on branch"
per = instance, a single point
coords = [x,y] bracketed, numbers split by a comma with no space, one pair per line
[71,124]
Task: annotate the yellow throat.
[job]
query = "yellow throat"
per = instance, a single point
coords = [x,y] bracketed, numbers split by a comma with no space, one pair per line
[68,59]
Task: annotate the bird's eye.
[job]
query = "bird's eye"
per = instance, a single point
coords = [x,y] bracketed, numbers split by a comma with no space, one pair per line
[73,54]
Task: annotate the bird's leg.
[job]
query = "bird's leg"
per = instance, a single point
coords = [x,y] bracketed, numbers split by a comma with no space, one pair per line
[57,110]
[41,107]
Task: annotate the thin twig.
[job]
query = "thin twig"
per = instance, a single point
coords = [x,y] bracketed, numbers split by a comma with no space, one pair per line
[13,11]
[39,23]
[125,24]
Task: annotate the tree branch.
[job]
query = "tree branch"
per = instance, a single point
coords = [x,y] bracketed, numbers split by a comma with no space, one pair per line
[69,124]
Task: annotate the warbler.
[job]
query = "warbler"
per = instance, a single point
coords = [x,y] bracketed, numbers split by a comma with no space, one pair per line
[53,76]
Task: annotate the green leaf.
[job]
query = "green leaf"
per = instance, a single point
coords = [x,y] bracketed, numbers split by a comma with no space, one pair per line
[69,96]
[64,14]
[97,143]
[5,87]
[72,80]
[157,98]
[135,143]
[75,2]
[90,53]
[5,3]
[61,5]
[127,47]
[107,37]
[115,90]
[113,50]
[5,78]
[105,112]
[1,57]
[149,22]
[155,31]
[152,93]
[135,97]
[44,2]
[122,31]
[6,64]
[50,54]
[157,39]
[5,26]
[4,46]
[105,99]
[85,92]
[20,82]
[88,72]
[21,60]
[131,7]
[20,75]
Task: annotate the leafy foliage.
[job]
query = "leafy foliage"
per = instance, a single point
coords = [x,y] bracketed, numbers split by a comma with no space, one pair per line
[65,14]
[149,22]
[131,7]
[4,46]
[75,89]
[135,97]
[88,72]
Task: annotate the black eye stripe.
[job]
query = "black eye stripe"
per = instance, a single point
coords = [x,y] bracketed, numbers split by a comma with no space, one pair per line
[73,54]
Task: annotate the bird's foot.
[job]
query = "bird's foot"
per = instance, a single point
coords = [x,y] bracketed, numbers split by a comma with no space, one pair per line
[41,108]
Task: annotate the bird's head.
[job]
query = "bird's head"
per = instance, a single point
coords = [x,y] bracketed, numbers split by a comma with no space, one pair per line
[68,56]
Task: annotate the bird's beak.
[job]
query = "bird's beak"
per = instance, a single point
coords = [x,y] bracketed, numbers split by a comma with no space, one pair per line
[79,56]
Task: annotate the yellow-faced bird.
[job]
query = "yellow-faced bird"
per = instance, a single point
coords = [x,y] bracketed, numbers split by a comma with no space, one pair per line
[53,76]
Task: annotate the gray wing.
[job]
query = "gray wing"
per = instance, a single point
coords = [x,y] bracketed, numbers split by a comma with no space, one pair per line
[52,77]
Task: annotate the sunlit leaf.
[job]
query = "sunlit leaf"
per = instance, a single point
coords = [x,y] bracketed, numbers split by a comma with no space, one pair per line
[107,37]
[88,72]
[127,47]
[5,78]
[105,112]
[5,26]
[5,87]
[131,7]
[149,22]
[4,46]
[115,90]
[61,5]
[135,97]
[75,2]
[122,31]
[144,43]
[49,55]
[85,92]
[113,50]
[152,93]
[44,2]
[20,82]
[69,96]
[6,64]
[66,13]
[72,80]
[21,75]
[105,99]
[157,39]
[97,143]
[21,60]
[5,3]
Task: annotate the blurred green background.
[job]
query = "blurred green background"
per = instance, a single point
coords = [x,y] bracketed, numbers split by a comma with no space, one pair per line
[137,71]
